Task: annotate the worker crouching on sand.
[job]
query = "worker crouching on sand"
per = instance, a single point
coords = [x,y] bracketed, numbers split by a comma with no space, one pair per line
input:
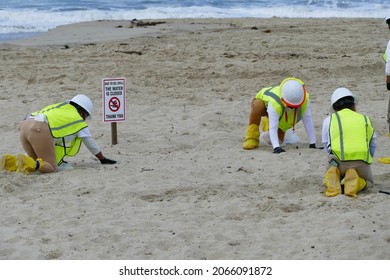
[349,139]
[281,107]
[48,135]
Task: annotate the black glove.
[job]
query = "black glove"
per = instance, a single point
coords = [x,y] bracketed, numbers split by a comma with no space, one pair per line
[107,161]
[278,150]
[388,86]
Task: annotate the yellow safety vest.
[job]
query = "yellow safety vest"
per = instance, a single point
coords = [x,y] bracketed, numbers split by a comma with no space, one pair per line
[286,119]
[64,120]
[350,134]
[63,149]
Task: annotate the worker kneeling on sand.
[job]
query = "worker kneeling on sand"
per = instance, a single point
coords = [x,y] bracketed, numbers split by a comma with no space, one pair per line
[281,107]
[350,141]
[52,133]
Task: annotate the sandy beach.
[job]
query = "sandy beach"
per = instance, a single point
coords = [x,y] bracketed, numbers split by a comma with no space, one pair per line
[183,187]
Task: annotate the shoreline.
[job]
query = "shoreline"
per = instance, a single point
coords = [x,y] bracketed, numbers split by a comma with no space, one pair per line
[99,31]
[93,32]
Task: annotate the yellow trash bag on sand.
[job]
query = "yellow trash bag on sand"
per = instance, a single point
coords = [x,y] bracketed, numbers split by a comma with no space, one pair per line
[384,160]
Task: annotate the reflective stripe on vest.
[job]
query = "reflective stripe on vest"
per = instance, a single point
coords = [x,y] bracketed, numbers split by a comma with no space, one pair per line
[286,120]
[350,134]
[63,119]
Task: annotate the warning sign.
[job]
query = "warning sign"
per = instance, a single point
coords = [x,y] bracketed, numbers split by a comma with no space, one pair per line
[114,99]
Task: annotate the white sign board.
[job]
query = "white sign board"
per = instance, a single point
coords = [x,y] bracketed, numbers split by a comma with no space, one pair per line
[114,99]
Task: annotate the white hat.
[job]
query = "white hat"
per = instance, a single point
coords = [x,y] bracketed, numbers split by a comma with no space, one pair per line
[84,102]
[293,92]
[340,93]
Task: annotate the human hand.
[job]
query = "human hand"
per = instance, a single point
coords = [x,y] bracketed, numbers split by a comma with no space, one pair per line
[107,161]
[278,150]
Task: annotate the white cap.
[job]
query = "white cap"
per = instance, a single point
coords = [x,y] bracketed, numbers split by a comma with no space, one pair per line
[84,102]
[340,93]
[293,92]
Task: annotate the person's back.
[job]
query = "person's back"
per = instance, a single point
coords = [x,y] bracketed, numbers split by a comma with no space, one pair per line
[349,133]
[349,140]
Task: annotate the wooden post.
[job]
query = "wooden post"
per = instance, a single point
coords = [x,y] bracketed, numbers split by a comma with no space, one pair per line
[114,134]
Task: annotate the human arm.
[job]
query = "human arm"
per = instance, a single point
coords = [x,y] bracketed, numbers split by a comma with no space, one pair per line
[373,144]
[325,135]
[273,121]
[93,147]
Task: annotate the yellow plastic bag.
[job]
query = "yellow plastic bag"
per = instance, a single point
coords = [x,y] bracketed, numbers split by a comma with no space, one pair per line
[384,160]
[8,162]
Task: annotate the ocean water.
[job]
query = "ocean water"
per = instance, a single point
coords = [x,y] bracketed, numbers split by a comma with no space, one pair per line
[21,18]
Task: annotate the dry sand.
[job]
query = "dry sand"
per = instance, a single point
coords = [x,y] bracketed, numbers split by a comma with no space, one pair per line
[183,187]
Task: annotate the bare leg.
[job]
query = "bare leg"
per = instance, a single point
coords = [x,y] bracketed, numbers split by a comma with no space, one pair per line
[37,141]
[252,135]
[28,148]
[258,110]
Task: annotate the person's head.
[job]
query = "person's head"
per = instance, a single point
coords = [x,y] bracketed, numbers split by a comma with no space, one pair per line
[293,92]
[83,105]
[387,20]
[342,98]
